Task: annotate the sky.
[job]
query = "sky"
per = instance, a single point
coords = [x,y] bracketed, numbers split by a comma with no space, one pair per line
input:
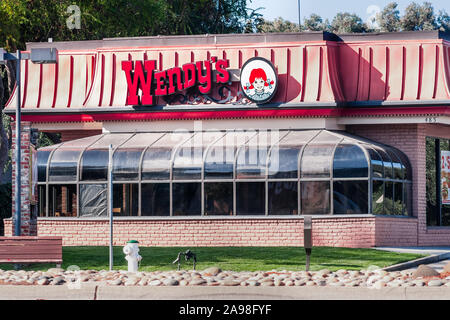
[327,9]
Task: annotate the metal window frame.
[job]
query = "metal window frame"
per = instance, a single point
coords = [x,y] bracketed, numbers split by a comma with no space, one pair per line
[248,136]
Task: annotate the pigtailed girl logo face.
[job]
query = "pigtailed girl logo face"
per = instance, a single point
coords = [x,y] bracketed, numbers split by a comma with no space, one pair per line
[259,80]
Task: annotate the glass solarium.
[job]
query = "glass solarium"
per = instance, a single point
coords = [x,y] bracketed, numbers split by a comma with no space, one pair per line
[224,173]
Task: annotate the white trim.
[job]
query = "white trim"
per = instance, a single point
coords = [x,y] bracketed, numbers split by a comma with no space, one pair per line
[61,126]
[393,120]
[222,124]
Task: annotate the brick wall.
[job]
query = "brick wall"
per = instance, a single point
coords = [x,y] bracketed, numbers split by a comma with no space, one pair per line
[333,232]
[68,135]
[28,222]
[411,139]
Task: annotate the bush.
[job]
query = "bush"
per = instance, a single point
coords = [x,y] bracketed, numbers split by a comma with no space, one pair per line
[5,204]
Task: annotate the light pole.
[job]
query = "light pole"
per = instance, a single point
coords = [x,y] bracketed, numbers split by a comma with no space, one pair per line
[299,17]
[44,55]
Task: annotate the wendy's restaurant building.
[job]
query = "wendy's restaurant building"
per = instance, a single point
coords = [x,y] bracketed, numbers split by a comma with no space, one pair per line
[230,140]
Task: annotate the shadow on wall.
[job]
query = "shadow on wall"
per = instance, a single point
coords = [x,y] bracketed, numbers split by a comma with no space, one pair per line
[360,75]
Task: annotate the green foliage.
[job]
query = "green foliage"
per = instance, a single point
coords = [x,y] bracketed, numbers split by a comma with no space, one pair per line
[278,25]
[443,21]
[389,18]
[27,21]
[348,23]
[419,17]
[315,23]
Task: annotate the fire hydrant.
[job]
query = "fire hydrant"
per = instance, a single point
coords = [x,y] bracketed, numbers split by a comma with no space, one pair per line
[131,251]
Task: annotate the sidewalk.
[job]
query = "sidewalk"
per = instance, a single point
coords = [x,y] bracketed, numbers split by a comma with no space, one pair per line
[90,292]
[437,258]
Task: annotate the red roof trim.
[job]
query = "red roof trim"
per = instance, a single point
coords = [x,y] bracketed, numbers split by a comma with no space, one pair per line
[227,114]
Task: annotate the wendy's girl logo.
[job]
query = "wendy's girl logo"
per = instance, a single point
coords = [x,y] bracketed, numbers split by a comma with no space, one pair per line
[259,80]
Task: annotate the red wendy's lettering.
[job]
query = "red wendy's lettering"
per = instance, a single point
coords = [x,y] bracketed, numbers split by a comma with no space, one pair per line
[139,80]
[143,75]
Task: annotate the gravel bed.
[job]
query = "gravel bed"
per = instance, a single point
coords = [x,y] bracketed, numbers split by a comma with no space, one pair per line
[372,277]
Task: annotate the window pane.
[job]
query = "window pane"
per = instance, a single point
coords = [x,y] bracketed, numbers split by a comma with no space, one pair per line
[283,163]
[188,161]
[125,199]
[64,164]
[42,158]
[397,165]
[157,159]
[62,200]
[398,198]
[283,158]
[349,161]
[126,164]
[250,198]
[95,159]
[316,161]
[219,160]
[350,197]
[93,200]
[315,197]
[155,199]
[186,199]
[407,191]
[388,197]
[387,163]
[219,198]
[377,163]
[378,197]
[42,201]
[283,198]
[252,158]
[94,165]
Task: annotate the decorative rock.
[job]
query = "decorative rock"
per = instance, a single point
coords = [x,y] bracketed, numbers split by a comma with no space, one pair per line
[184,283]
[229,283]
[43,282]
[154,283]
[198,282]
[57,281]
[424,271]
[379,284]
[435,283]
[214,271]
[253,283]
[418,283]
[55,270]
[143,282]
[446,268]
[170,282]
[116,282]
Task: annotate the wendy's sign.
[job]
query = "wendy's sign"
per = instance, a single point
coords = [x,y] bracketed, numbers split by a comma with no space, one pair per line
[259,81]
[143,75]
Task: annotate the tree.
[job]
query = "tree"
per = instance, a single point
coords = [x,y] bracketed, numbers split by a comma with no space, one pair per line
[389,18]
[348,23]
[315,23]
[278,25]
[418,17]
[24,21]
[443,21]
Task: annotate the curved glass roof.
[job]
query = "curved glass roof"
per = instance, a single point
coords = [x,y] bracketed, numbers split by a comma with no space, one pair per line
[218,155]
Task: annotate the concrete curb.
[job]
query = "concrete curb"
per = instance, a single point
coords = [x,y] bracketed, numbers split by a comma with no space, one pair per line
[417,262]
[221,293]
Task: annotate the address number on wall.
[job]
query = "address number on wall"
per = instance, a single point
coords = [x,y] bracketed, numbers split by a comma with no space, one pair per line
[431,120]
